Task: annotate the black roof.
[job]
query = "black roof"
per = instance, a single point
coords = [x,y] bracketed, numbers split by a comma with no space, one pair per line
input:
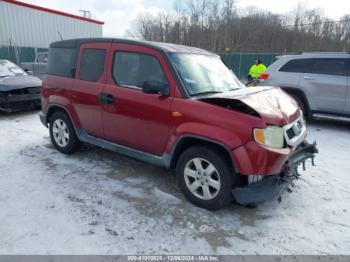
[165,47]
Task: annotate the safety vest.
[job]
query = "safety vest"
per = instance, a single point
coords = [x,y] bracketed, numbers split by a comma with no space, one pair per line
[257,70]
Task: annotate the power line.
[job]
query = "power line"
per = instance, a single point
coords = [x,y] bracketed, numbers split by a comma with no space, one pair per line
[318,23]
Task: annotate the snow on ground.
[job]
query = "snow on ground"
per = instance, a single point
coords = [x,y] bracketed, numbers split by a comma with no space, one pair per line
[99,202]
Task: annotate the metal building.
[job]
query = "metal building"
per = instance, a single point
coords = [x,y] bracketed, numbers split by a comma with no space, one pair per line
[26,29]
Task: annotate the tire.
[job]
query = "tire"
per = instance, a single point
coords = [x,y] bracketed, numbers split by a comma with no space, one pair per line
[193,170]
[62,133]
[300,104]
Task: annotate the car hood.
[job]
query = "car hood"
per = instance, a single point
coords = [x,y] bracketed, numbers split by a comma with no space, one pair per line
[272,104]
[18,82]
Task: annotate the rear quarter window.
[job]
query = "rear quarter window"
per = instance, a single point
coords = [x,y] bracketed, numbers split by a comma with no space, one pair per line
[61,62]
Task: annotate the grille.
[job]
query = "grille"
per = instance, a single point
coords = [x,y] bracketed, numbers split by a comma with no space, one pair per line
[25,91]
[295,130]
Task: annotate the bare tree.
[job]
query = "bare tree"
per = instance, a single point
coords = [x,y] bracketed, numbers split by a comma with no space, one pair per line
[216,25]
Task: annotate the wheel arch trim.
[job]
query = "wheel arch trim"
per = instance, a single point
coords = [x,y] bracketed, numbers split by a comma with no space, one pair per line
[173,156]
[51,107]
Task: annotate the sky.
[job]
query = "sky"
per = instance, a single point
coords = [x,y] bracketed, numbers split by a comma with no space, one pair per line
[118,15]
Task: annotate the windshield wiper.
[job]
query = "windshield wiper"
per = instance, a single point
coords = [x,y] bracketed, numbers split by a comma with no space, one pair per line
[206,93]
[233,89]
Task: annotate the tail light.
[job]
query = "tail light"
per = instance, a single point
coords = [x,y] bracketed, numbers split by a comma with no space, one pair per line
[264,76]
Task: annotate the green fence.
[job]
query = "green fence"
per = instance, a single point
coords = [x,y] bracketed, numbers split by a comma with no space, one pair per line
[240,63]
[19,54]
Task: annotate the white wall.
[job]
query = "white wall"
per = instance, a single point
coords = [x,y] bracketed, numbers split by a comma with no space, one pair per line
[29,27]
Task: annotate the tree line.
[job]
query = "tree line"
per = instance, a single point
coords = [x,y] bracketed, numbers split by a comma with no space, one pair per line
[219,26]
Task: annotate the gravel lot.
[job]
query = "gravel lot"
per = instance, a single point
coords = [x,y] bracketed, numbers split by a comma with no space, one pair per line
[98,202]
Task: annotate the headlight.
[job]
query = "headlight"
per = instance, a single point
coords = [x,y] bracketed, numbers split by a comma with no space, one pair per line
[272,136]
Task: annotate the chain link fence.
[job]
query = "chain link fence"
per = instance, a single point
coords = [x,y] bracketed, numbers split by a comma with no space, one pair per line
[240,63]
[19,54]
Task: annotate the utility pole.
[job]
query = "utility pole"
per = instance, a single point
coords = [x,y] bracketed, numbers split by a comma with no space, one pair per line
[86,13]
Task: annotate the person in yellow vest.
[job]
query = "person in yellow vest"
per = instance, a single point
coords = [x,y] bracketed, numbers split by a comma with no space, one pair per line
[256,70]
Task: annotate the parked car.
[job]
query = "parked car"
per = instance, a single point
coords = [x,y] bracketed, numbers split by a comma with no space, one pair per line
[18,90]
[178,107]
[38,67]
[319,82]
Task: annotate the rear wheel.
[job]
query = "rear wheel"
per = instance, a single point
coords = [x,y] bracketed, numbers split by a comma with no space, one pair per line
[205,178]
[62,133]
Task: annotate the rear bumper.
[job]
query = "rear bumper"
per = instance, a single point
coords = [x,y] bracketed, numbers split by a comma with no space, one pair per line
[271,187]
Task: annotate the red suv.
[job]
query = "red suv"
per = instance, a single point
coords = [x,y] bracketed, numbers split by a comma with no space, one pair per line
[178,107]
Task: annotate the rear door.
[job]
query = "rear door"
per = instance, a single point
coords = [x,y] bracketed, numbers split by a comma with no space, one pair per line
[325,83]
[133,118]
[89,82]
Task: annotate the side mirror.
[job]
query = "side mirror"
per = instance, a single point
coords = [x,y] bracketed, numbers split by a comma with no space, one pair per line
[29,72]
[156,87]
[45,60]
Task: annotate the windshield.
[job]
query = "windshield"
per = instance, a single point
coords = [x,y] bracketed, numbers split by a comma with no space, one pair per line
[204,74]
[8,68]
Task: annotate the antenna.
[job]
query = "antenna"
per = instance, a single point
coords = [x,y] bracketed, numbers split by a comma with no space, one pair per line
[86,13]
[59,34]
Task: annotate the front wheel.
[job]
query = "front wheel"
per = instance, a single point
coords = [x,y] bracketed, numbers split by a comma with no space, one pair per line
[205,178]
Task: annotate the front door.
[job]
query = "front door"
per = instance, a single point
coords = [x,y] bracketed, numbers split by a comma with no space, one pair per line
[133,118]
[88,85]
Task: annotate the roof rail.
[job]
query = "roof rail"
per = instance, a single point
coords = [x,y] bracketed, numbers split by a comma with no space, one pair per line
[332,53]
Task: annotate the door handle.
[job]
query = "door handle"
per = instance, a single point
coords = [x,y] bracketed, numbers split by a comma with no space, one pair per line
[308,78]
[106,98]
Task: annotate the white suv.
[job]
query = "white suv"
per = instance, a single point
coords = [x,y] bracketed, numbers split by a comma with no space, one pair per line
[319,82]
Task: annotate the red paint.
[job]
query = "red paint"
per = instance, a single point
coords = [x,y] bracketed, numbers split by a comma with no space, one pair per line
[53,11]
[253,158]
[145,122]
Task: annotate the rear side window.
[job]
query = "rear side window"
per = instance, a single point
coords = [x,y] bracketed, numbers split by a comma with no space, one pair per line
[297,66]
[133,69]
[330,66]
[61,62]
[92,64]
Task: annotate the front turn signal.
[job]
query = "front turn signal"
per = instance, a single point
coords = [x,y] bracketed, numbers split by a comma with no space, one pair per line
[259,135]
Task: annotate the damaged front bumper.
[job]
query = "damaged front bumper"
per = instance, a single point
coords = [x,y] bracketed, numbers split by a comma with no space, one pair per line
[18,102]
[271,187]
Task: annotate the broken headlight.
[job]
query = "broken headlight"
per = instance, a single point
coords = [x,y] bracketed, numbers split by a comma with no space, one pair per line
[272,136]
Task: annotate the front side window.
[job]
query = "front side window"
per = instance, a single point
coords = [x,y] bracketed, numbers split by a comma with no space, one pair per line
[42,58]
[134,69]
[92,64]
[330,66]
[204,74]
